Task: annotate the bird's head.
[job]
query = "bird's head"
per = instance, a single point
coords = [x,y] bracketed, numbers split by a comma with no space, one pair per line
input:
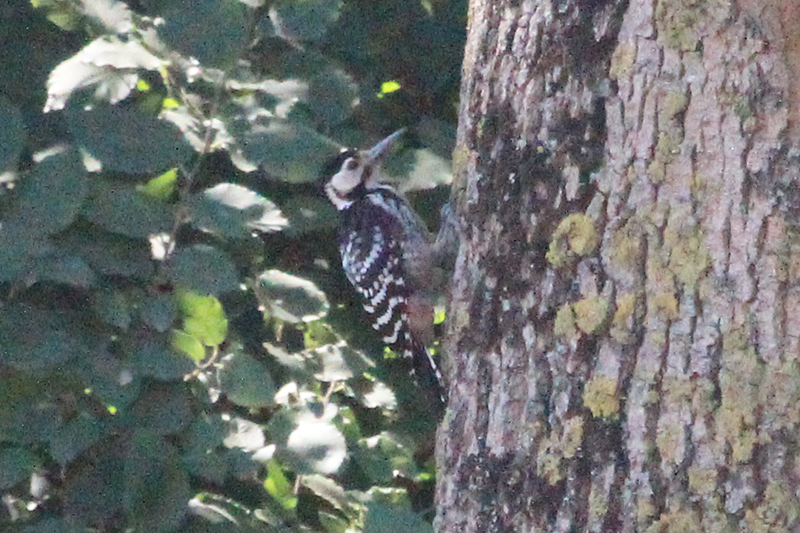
[355,172]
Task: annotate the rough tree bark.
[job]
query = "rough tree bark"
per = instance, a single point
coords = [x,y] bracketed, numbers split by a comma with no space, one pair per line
[625,317]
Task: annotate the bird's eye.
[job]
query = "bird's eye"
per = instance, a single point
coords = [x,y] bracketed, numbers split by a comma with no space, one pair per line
[351,164]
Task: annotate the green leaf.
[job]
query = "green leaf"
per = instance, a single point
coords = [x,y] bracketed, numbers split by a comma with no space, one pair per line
[209,466]
[308,215]
[307,20]
[34,340]
[75,437]
[156,360]
[52,195]
[108,254]
[234,211]
[161,187]
[203,269]
[332,95]
[16,464]
[278,486]
[124,140]
[61,267]
[163,409]
[19,243]
[51,525]
[94,492]
[290,298]
[120,209]
[158,312]
[203,318]
[113,307]
[288,151]
[12,135]
[107,65]
[246,382]
[385,518]
[213,31]
[156,487]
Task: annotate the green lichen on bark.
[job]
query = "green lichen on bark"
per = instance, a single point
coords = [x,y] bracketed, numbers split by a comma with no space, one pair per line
[623,321]
[680,520]
[590,313]
[688,256]
[779,510]
[742,372]
[666,305]
[558,446]
[681,24]
[625,247]
[622,61]
[564,325]
[600,395]
[575,237]
[702,480]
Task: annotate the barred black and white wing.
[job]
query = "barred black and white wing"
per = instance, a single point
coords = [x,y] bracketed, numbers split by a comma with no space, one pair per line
[372,258]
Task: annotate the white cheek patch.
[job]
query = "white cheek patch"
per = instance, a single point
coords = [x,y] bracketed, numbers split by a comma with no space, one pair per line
[345,181]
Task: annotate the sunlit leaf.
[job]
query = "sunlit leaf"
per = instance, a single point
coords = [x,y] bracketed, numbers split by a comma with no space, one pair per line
[278,486]
[124,140]
[244,434]
[389,87]
[426,171]
[203,318]
[107,64]
[290,298]
[327,489]
[234,211]
[315,445]
[340,362]
[114,15]
[161,187]
[188,344]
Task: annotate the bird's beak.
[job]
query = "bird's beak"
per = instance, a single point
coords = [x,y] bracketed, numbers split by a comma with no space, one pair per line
[377,152]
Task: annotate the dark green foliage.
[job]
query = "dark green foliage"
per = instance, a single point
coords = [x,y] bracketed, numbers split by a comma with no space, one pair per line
[179,350]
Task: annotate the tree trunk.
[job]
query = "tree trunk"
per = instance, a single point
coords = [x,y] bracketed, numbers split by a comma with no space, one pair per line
[624,325]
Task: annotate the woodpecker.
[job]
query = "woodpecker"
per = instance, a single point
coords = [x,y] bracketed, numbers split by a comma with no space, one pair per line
[387,255]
